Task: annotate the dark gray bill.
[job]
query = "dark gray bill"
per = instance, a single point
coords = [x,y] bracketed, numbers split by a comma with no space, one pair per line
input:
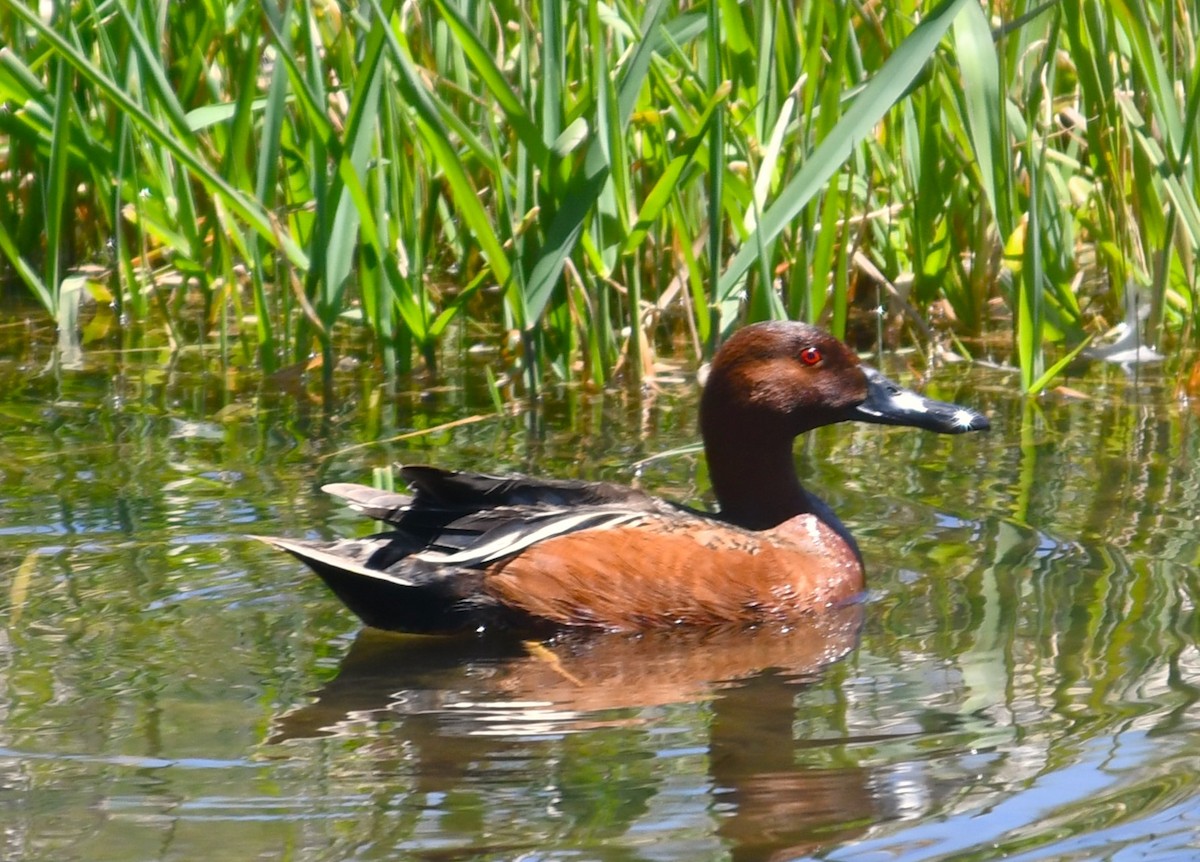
[888,403]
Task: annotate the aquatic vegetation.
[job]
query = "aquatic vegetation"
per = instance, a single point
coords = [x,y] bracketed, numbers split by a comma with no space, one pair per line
[601,181]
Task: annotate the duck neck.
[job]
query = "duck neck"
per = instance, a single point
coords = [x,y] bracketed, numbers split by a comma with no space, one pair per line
[755,480]
[756,485]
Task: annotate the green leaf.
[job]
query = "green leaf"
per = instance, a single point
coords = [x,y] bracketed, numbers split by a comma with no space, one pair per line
[24,270]
[1053,371]
[976,55]
[212,115]
[570,139]
[56,182]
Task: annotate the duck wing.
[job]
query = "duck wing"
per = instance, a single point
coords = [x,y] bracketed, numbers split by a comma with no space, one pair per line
[426,573]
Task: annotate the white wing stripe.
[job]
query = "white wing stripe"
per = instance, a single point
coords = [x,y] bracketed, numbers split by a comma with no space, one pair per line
[509,544]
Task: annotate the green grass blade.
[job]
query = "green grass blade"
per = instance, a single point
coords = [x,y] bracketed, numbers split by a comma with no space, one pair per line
[580,198]
[56,183]
[1149,64]
[152,65]
[553,72]
[354,207]
[564,232]
[716,194]
[686,28]
[26,273]
[17,83]
[980,68]
[1054,370]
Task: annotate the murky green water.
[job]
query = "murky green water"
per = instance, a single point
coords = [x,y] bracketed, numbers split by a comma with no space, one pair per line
[1024,682]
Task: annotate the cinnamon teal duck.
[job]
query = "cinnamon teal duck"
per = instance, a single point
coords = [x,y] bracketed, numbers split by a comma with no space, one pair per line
[469,551]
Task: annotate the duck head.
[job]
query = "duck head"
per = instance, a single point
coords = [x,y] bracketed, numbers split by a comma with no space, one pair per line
[773,381]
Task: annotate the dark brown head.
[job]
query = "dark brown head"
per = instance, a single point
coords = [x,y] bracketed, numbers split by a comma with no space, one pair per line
[781,378]
[774,381]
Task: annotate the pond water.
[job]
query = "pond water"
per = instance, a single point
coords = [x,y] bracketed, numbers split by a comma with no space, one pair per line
[1022,681]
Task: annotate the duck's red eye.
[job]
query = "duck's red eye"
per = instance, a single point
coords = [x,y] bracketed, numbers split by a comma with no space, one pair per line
[810,356]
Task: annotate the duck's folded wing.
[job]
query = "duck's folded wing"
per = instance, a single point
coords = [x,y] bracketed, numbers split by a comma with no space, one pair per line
[405,581]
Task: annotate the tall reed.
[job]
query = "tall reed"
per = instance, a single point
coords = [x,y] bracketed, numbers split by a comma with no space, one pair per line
[592,177]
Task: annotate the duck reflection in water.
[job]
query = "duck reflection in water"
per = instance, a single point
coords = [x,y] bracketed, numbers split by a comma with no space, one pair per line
[435,709]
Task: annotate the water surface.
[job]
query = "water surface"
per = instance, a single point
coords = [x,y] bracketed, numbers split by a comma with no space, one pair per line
[1021,682]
